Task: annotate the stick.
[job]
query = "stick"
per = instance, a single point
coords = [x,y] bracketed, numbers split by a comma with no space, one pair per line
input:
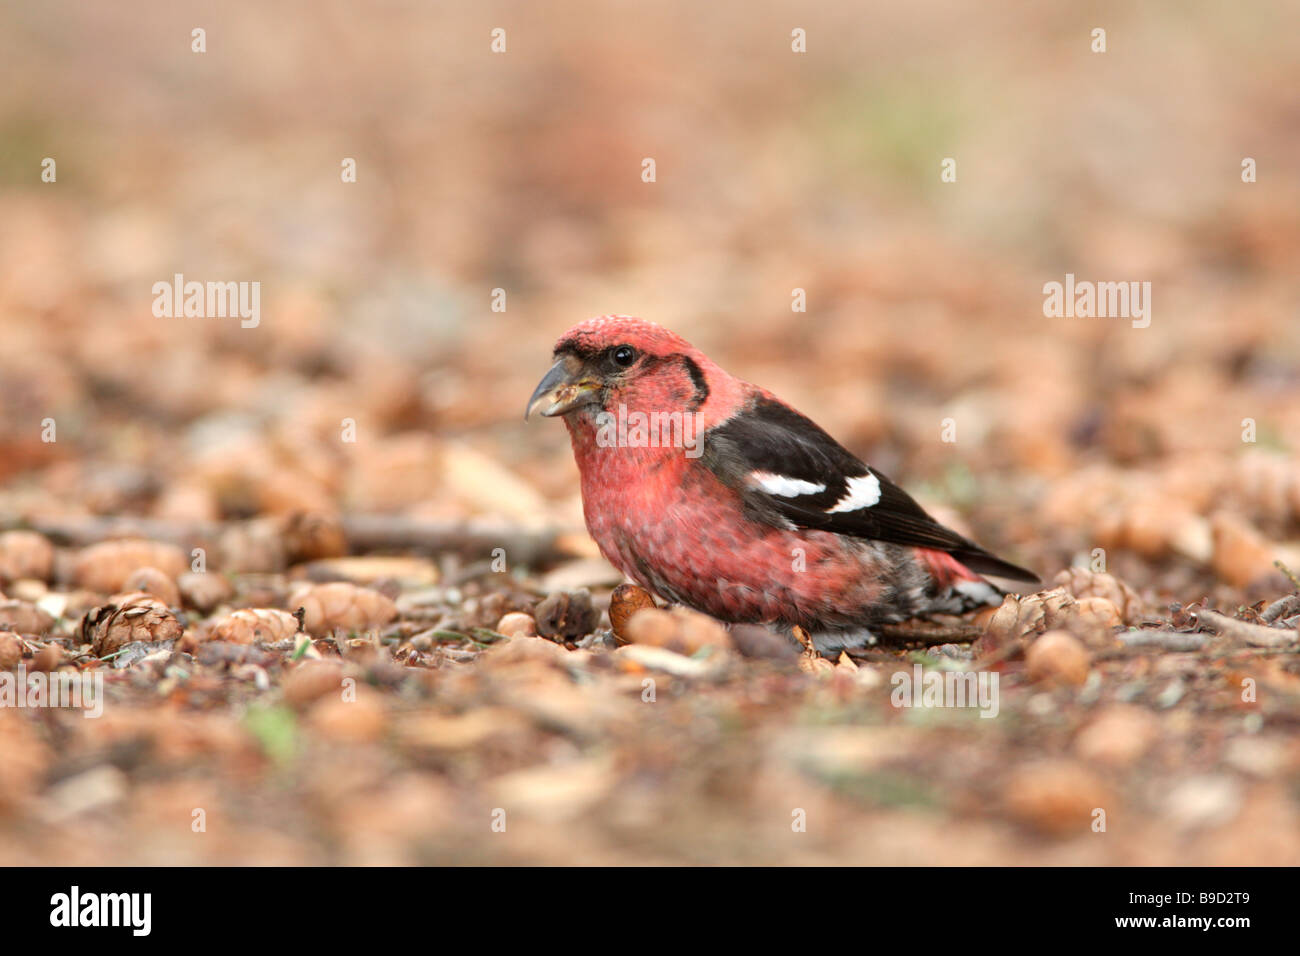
[1166,640]
[363,532]
[1253,634]
[469,538]
[1281,608]
[930,633]
[82,530]
[1291,575]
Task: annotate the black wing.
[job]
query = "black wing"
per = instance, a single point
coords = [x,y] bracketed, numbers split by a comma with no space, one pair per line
[792,473]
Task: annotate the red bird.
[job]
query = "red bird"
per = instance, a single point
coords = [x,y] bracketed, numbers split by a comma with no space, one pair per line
[713,493]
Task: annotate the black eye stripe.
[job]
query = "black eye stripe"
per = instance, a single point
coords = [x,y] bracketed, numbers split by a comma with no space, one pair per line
[698,380]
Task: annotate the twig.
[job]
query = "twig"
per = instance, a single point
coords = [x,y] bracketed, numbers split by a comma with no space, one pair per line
[928,633]
[1253,634]
[475,539]
[811,660]
[1165,640]
[469,538]
[90,529]
[1291,575]
[805,641]
[1281,608]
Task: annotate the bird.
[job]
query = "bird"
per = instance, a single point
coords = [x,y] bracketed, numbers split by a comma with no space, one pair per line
[713,493]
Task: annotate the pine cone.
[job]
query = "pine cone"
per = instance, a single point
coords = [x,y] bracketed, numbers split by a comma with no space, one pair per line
[567,615]
[342,605]
[1083,583]
[251,625]
[136,617]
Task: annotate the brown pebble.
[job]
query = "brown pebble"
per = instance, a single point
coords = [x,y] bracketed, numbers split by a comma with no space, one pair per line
[24,617]
[1056,797]
[104,567]
[655,627]
[523,651]
[681,630]
[517,624]
[1059,658]
[204,590]
[1241,554]
[1118,737]
[152,581]
[312,680]
[28,589]
[11,650]
[48,658]
[25,554]
[354,721]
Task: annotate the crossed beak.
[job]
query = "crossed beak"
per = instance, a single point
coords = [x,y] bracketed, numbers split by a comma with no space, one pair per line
[562,389]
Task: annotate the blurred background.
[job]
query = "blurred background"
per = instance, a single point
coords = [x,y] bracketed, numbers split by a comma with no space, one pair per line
[522,171]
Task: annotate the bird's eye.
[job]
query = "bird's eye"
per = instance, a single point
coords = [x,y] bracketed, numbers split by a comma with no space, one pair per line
[624,355]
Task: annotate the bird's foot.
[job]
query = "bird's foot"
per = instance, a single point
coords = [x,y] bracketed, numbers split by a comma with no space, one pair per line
[831,644]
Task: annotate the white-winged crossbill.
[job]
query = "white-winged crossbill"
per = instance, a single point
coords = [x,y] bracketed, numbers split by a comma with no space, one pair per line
[713,493]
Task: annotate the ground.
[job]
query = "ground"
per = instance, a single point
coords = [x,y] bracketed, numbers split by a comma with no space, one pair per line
[356,449]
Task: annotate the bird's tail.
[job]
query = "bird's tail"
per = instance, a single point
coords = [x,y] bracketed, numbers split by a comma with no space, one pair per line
[957,586]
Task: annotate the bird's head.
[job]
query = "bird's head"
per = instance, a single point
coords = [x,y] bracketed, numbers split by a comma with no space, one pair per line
[616,360]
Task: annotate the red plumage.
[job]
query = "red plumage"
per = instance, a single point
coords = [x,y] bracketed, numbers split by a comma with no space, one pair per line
[765,519]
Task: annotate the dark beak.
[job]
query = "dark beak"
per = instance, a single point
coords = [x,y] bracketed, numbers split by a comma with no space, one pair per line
[563,389]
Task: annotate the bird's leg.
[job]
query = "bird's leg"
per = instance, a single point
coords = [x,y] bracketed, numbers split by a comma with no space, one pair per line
[831,643]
